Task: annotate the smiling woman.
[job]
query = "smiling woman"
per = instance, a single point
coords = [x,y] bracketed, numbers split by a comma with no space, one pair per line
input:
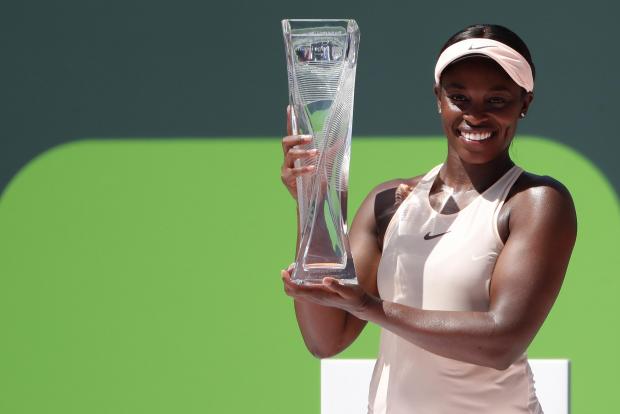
[459,266]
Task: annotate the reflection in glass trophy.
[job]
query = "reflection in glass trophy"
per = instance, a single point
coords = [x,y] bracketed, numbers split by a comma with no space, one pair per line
[321,60]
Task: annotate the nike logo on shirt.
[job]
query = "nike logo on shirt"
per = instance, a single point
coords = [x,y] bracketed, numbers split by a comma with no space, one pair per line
[428,235]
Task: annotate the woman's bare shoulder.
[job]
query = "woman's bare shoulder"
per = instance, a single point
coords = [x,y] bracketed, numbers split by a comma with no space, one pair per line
[540,196]
[406,184]
[532,187]
[383,201]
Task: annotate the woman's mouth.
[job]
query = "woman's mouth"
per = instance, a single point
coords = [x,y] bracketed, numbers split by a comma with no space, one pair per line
[475,136]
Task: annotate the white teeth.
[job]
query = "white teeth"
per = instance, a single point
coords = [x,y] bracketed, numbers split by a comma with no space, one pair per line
[472,136]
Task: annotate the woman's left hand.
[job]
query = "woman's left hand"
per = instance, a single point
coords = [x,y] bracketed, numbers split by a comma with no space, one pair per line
[332,293]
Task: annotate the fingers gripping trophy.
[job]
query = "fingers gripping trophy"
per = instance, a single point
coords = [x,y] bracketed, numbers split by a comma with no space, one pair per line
[321,58]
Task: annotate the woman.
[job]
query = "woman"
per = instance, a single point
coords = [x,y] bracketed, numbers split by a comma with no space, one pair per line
[459,266]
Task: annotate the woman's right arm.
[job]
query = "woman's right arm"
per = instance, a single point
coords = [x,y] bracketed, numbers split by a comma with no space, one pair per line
[327,331]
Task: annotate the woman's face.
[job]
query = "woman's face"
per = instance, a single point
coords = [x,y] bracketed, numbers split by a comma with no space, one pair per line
[480,107]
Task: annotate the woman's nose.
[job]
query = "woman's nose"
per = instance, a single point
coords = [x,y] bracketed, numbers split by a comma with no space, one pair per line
[475,115]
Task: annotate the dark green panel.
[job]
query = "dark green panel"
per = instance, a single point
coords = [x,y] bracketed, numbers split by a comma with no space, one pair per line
[76,68]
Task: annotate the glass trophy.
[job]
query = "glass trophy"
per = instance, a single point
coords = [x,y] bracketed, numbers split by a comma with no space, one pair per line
[321,58]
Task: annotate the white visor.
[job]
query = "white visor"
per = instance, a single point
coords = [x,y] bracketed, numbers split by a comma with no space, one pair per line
[509,59]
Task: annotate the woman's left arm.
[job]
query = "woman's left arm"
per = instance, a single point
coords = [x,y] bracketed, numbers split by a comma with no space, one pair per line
[525,283]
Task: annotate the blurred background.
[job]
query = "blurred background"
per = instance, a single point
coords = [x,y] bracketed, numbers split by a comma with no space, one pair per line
[142,219]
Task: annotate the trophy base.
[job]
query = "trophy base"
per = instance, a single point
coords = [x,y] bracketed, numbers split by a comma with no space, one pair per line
[313,274]
[349,282]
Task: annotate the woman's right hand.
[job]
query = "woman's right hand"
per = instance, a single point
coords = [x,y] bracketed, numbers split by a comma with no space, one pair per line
[289,172]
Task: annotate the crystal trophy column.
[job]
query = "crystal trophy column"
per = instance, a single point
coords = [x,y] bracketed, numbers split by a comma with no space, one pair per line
[321,58]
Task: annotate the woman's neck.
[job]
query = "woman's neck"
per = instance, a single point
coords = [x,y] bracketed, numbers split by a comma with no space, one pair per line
[461,177]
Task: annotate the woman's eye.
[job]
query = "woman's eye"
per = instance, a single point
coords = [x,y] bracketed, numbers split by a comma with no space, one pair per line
[458,98]
[496,100]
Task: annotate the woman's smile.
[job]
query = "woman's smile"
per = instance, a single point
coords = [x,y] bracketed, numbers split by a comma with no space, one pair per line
[475,136]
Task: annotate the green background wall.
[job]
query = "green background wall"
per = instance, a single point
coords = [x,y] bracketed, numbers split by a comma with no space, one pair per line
[142,276]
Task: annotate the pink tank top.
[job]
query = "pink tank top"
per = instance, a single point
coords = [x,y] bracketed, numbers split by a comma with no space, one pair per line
[444,262]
